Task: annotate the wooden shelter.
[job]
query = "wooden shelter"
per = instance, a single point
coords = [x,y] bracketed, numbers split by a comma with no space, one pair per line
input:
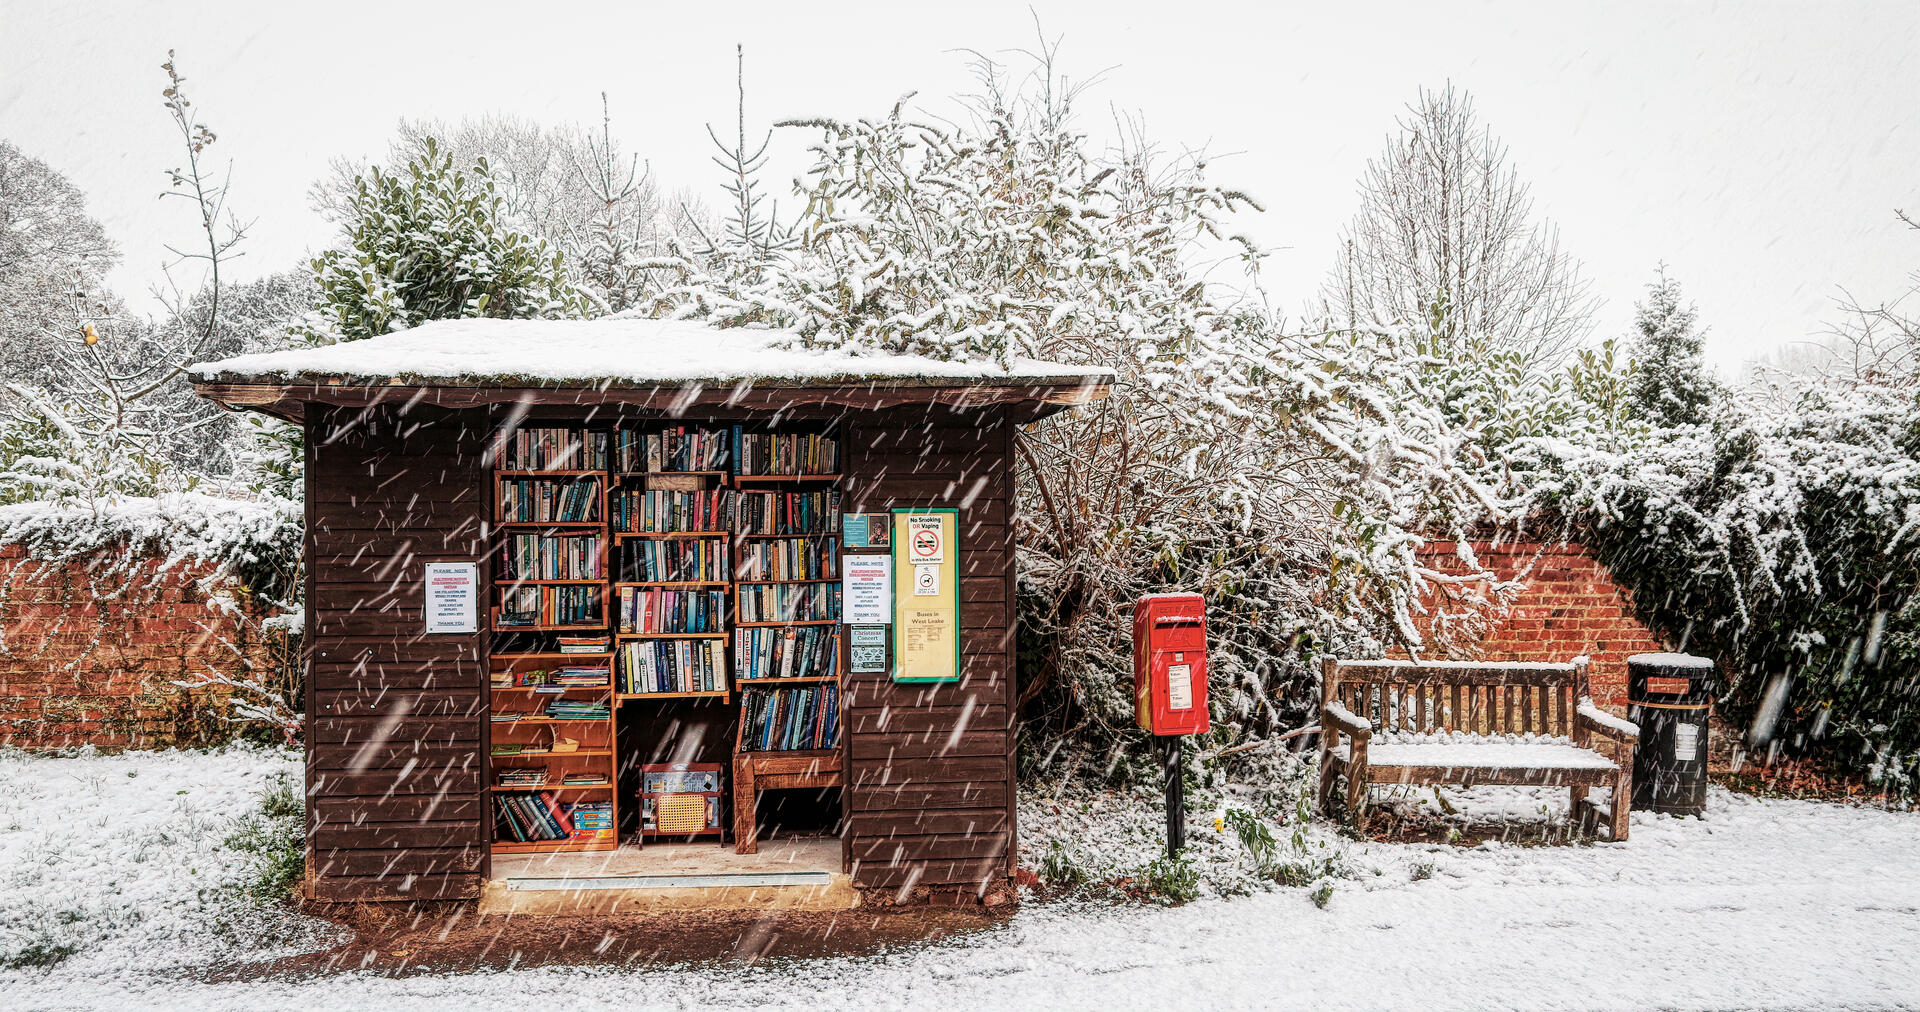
[651,510]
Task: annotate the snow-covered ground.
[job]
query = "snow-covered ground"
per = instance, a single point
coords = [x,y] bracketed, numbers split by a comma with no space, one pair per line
[1765,904]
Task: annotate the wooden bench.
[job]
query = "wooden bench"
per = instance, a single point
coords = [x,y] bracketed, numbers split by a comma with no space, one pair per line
[1407,704]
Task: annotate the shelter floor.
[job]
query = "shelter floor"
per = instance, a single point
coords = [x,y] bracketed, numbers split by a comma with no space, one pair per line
[795,873]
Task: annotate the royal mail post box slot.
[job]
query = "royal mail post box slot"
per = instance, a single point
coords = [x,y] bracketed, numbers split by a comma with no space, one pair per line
[1170,664]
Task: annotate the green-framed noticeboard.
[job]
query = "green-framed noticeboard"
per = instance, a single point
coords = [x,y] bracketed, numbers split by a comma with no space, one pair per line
[926,595]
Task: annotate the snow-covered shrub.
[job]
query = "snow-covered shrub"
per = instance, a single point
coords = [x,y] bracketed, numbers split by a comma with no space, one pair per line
[246,557]
[1282,475]
[429,243]
[1784,541]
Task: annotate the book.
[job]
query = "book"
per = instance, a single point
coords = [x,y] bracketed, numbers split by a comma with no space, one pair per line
[649,666]
[791,652]
[788,602]
[788,720]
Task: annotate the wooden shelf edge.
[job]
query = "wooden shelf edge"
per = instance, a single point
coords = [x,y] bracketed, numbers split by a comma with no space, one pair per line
[553,846]
[624,696]
[763,625]
[672,636]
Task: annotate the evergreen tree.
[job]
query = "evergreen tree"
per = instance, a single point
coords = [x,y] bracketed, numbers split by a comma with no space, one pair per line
[1670,385]
[430,243]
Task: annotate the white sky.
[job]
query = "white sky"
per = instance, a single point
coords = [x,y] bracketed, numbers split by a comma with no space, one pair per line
[1759,148]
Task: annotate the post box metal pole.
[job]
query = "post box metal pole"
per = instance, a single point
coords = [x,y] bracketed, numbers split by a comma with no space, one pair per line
[1176,799]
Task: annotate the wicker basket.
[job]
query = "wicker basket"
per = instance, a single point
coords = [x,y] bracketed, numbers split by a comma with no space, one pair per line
[681,813]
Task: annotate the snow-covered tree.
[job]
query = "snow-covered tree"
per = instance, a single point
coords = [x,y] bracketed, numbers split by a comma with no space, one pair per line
[1445,220]
[1671,384]
[1273,473]
[430,243]
[51,251]
[580,190]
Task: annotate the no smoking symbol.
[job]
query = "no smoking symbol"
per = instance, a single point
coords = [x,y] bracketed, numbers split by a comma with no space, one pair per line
[926,544]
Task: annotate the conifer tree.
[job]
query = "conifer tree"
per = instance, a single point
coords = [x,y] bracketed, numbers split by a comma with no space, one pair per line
[430,243]
[1670,386]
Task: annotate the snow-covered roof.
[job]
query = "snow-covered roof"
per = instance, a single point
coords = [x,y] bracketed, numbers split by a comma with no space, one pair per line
[616,352]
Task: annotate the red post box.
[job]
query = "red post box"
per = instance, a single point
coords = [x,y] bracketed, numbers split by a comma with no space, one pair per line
[1170,664]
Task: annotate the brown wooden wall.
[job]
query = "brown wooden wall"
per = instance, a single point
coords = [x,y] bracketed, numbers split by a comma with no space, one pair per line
[930,791]
[393,751]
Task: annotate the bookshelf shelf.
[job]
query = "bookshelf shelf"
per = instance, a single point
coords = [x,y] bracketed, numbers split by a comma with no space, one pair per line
[823,579]
[545,583]
[582,525]
[578,753]
[751,478]
[764,625]
[671,583]
[506,628]
[542,655]
[548,720]
[671,636]
[548,474]
[666,474]
[551,690]
[663,535]
[747,683]
[782,537]
[624,696]
[555,787]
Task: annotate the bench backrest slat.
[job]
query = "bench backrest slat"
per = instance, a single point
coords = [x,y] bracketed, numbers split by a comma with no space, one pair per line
[1481,698]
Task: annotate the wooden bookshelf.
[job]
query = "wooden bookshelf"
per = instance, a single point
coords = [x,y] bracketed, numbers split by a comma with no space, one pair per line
[672,483]
[596,739]
[755,771]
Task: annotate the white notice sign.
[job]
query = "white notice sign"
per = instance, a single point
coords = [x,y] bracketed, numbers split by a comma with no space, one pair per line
[1179,686]
[866,589]
[453,597]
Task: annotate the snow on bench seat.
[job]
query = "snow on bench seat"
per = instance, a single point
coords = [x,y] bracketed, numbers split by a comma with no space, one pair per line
[1459,750]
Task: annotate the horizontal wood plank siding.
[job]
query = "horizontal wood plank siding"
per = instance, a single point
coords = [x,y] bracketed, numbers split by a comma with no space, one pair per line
[929,779]
[394,771]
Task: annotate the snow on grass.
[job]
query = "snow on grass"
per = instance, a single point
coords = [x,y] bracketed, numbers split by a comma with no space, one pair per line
[108,862]
[1764,904]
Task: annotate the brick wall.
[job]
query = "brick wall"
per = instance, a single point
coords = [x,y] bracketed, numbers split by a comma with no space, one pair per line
[1570,606]
[91,660]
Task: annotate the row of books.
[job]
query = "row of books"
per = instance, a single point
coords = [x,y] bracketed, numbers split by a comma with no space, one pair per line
[533,817]
[681,560]
[796,559]
[788,512]
[545,500]
[585,676]
[786,452]
[578,709]
[550,606]
[641,610]
[547,557]
[789,602]
[681,448]
[662,512]
[794,652]
[583,644]
[552,448]
[786,720]
[532,776]
[673,666]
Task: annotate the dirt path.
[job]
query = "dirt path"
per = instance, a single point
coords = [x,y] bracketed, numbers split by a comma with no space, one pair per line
[402,939]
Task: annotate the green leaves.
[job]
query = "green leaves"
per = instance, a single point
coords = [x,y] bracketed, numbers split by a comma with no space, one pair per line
[431,243]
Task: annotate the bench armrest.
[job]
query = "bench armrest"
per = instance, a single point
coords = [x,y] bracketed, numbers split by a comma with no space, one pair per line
[1590,717]
[1333,715]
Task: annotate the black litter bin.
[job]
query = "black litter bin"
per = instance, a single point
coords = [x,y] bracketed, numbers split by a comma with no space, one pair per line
[1669,696]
